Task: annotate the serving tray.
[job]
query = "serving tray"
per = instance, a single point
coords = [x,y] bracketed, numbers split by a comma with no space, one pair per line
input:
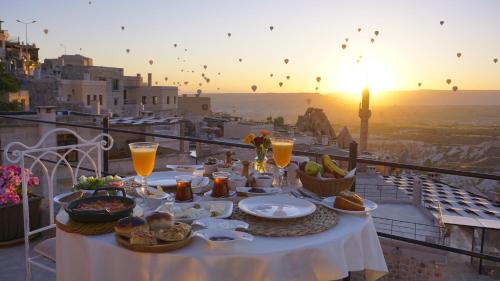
[161,247]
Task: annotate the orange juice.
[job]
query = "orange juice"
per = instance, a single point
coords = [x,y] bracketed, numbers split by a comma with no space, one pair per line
[282,152]
[144,160]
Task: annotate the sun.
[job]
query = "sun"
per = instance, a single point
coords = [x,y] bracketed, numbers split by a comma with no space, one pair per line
[354,76]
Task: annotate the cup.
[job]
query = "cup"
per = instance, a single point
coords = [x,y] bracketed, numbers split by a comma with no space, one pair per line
[221,187]
[184,192]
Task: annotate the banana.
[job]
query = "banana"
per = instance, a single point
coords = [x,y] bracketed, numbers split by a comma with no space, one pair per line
[331,167]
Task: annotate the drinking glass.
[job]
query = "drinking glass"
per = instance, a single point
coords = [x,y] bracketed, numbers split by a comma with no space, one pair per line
[143,158]
[183,192]
[282,153]
[221,187]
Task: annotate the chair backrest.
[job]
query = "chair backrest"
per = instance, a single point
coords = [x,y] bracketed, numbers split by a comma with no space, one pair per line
[48,158]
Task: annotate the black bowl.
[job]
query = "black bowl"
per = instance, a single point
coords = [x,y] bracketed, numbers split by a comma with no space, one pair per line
[97,216]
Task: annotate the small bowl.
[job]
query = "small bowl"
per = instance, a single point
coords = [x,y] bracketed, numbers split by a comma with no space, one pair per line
[236,180]
[263,181]
[222,238]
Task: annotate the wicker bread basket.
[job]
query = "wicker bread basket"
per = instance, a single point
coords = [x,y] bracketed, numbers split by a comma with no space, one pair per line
[325,187]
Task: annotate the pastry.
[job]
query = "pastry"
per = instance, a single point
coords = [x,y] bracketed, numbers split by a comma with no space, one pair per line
[124,227]
[141,237]
[160,220]
[173,233]
[345,204]
[351,196]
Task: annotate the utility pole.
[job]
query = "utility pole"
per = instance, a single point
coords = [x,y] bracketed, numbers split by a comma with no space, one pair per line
[26,28]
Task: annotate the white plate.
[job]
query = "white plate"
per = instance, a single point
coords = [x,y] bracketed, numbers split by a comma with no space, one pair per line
[185,168]
[369,206]
[153,193]
[277,207]
[225,207]
[221,223]
[236,236]
[268,191]
[161,178]
[208,195]
[198,184]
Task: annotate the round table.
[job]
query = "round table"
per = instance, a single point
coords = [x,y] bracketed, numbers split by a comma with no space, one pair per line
[351,245]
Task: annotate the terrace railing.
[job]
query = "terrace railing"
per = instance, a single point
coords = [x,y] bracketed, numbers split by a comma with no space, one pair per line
[388,228]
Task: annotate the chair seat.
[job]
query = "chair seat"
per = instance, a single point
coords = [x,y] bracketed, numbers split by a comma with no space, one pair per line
[47,248]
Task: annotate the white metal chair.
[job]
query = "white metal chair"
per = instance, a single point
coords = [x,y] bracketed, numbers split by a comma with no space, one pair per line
[32,157]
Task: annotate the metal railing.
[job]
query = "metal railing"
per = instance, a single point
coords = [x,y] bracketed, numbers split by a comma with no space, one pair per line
[352,160]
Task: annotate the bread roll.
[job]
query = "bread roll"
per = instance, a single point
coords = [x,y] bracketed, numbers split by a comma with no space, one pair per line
[160,220]
[141,237]
[124,227]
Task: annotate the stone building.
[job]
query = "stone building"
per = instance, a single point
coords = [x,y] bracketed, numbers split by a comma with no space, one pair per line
[195,106]
[21,58]
[315,122]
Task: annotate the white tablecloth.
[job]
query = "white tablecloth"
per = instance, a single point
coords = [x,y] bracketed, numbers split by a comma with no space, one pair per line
[351,245]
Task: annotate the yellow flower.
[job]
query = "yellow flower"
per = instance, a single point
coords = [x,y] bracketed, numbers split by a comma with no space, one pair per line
[249,138]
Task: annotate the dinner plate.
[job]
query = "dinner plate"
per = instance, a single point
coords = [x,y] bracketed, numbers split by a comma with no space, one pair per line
[249,192]
[185,168]
[369,206]
[277,207]
[162,178]
[224,207]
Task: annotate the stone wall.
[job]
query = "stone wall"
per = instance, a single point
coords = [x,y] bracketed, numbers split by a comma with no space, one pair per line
[42,92]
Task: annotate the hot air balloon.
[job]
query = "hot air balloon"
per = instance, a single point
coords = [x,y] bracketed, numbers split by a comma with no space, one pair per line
[441,22]
[185,50]
[45,31]
[208,80]
[459,55]
[280,83]
[166,79]
[240,59]
[347,39]
[123,27]
[229,35]
[359,29]
[182,70]
[80,49]
[205,66]
[271,75]
[156,82]
[218,73]
[317,88]
[203,75]
[419,84]
[178,58]
[455,88]
[288,77]
[90,2]
[199,84]
[186,82]
[175,45]
[286,61]
[448,81]
[218,89]
[495,60]
[358,61]
[198,92]
[344,46]
[271,28]
[372,40]
[376,32]
[254,88]
[127,50]
[150,62]
[318,79]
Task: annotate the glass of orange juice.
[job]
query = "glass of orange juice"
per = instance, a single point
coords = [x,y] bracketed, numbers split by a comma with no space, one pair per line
[143,158]
[282,152]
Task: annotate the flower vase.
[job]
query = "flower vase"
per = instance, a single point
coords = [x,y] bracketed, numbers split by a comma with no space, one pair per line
[259,164]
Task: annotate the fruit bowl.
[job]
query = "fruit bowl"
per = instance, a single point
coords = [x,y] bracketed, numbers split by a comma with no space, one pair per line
[325,187]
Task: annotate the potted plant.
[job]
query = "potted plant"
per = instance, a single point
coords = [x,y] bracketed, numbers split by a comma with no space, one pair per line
[11,207]
[261,144]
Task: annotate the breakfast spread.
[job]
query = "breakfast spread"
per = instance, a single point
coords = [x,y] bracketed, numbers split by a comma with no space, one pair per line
[99,205]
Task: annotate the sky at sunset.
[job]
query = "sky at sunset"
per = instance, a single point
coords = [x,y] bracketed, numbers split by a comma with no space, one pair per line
[411,47]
